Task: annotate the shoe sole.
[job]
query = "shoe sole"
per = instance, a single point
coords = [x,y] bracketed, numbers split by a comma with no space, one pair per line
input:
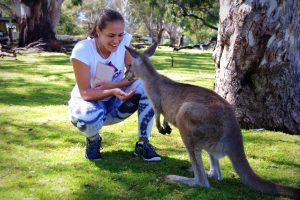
[154,159]
[93,158]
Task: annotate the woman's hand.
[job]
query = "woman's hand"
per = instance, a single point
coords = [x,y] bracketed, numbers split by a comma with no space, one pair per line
[123,96]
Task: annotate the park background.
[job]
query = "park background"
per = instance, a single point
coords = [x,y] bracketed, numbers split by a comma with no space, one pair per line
[41,153]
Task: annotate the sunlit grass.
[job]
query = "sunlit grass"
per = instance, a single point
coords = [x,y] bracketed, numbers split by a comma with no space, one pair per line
[41,153]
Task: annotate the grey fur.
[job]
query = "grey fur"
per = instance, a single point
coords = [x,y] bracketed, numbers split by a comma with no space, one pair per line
[205,121]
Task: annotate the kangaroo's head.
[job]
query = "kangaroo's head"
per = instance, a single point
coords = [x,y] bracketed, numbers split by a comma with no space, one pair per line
[141,61]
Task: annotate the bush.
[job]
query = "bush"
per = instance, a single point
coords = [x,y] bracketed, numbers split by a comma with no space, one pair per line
[67,26]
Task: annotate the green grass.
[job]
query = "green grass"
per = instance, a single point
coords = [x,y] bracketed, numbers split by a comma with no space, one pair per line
[41,153]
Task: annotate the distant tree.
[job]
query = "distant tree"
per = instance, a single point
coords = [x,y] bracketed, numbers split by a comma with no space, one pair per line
[205,12]
[257,62]
[125,7]
[68,26]
[151,12]
[196,31]
[154,15]
[5,9]
[37,20]
[89,10]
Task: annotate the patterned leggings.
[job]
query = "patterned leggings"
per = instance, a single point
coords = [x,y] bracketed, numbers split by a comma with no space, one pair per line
[90,116]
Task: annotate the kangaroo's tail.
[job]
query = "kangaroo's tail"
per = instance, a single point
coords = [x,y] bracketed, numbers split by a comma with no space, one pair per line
[238,159]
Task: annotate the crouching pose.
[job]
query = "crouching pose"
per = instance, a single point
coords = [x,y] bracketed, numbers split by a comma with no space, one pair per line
[102,96]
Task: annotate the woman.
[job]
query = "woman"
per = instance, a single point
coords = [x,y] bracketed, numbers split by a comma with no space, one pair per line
[102,96]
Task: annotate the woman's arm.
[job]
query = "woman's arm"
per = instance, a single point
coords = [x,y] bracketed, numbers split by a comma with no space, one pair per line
[82,76]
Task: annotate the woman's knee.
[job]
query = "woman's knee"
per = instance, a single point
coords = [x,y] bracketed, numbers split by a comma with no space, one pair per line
[87,118]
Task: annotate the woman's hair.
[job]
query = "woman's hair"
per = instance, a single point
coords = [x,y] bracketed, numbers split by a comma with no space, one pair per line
[107,15]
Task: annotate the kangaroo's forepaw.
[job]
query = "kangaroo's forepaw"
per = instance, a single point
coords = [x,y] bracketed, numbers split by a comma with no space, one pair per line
[165,130]
[168,129]
[162,131]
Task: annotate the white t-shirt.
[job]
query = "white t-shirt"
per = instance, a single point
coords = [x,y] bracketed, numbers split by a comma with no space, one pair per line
[86,52]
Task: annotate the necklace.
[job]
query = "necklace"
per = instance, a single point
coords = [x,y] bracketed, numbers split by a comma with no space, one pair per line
[99,50]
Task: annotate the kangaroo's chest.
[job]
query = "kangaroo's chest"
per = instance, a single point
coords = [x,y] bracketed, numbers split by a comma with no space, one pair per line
[170,106]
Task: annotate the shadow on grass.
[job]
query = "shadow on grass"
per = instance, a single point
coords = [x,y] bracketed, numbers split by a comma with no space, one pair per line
[146,177]
[36,94]
[51,83]
[28,83]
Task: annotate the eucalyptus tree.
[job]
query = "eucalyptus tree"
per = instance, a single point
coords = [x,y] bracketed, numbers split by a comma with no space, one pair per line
[154,15]
[205,12]
[37,20]
[257,62]
[125,7]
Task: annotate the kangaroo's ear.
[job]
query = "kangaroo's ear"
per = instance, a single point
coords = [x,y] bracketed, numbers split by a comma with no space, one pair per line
[132,52]
[150,51]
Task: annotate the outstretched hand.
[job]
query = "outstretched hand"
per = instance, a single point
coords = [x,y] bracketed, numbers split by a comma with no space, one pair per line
[123,96]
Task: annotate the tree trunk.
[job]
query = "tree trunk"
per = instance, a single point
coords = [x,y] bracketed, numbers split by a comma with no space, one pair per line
[258,62]
[37,20]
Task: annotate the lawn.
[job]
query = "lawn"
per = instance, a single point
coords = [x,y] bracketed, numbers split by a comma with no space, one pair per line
[41,153]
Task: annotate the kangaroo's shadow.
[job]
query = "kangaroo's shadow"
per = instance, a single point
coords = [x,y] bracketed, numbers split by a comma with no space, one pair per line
[118,161]
[133,173]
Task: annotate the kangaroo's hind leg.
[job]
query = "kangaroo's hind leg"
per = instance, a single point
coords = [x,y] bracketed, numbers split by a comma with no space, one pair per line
[215,171]
[200,173]
[200,178]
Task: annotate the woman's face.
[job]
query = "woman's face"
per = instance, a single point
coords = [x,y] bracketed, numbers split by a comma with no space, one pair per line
[111,36]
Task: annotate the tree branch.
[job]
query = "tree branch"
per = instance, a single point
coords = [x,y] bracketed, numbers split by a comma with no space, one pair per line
[202,20]
[185,13]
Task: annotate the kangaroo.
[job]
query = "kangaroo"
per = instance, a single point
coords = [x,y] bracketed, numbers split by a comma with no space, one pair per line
[205,121]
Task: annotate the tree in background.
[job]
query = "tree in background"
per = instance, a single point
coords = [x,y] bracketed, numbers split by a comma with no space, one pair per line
[88,11]
[204,12]
[5,10]
[37,20]
[151,13]
[257,62]
[196,31]
[125,7]
[68,26]
[197,19]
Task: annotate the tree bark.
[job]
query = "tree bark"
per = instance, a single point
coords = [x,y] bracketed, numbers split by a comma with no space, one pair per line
[258,62]
[37,20]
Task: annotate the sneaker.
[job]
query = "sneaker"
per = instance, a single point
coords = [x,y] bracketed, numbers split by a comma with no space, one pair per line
[146,152]
[92,150]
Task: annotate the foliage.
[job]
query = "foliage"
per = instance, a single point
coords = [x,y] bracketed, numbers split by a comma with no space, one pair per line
[5,8]
[41,153]
[206,11]
[142,17]
[198,32]
[67,25]
[197,19]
